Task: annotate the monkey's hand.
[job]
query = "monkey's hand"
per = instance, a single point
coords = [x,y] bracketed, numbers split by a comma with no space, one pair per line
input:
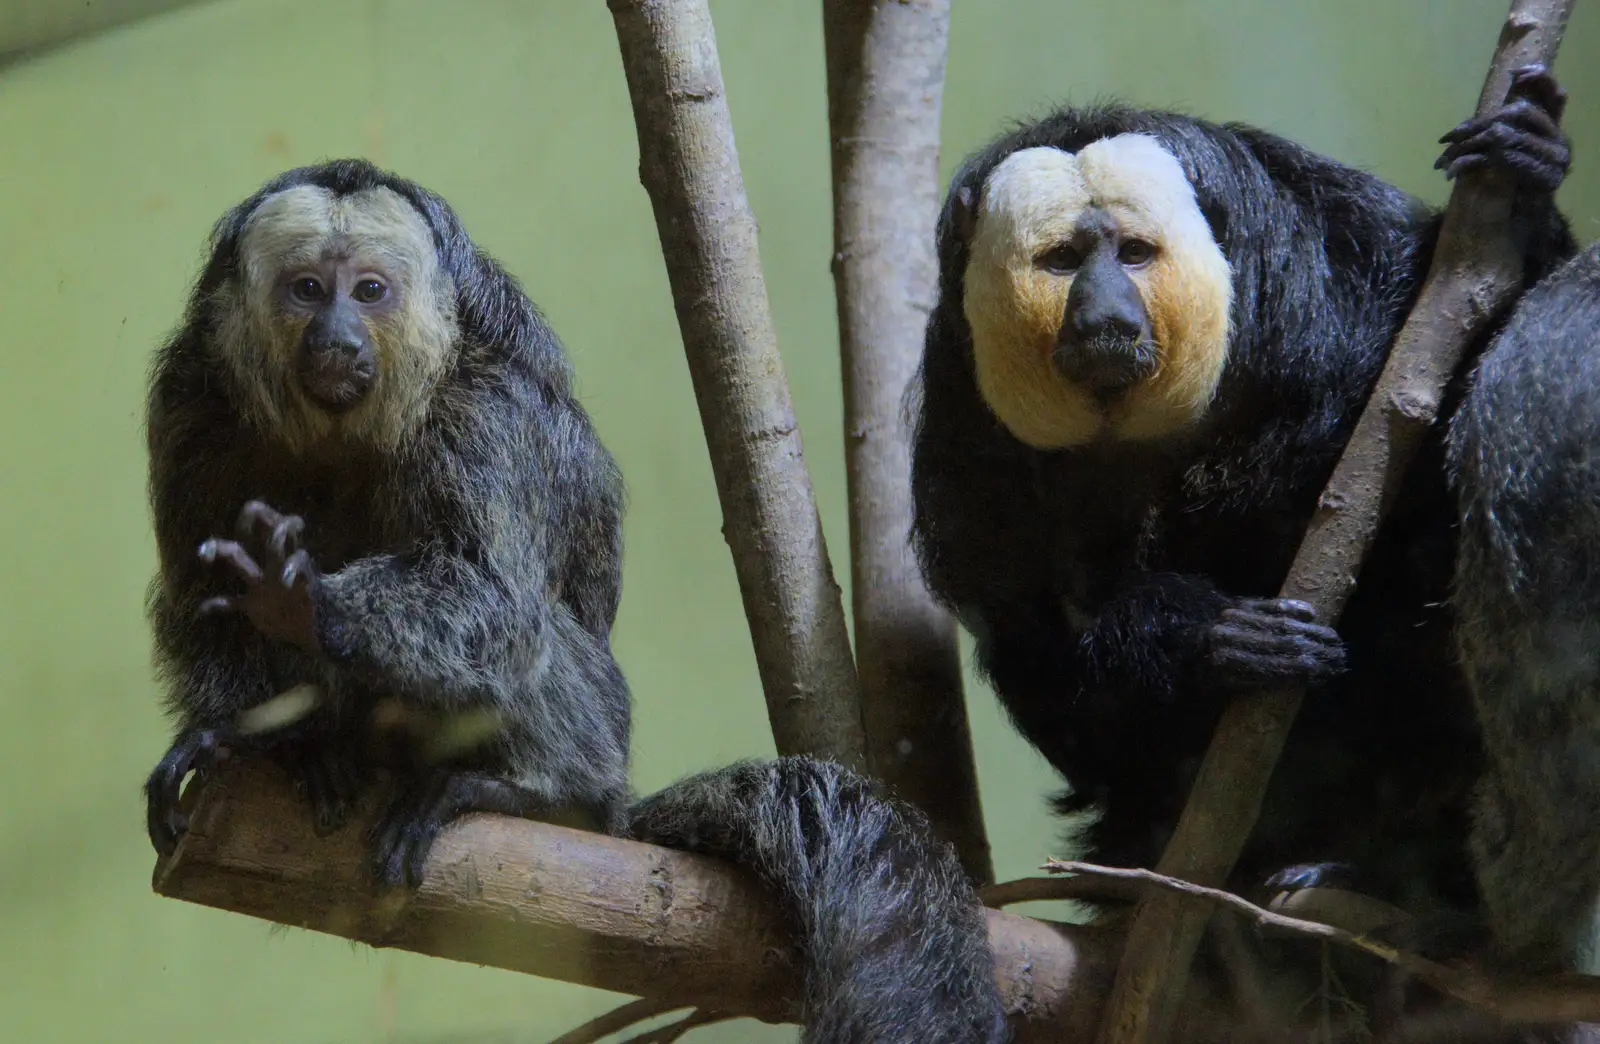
[196,750]
[1260,642]
[404,834]
[280,592]
[1524,137]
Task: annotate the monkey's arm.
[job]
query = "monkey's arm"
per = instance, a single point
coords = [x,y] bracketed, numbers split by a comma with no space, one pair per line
[447,620]
[1163,652]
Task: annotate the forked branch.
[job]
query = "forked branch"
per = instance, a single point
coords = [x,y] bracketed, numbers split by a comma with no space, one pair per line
[1474,275]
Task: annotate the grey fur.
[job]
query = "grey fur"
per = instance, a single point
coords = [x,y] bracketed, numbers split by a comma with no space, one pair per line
[473,572]
[1524,457]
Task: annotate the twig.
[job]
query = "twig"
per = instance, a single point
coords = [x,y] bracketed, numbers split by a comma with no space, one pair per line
[617,1019]
[1475,271]
[886,63]
[1044,889]
[1564,998]
[690,169]
[673,1031]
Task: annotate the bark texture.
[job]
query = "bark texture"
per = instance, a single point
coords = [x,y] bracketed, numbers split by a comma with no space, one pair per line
[690,169]
[886,61]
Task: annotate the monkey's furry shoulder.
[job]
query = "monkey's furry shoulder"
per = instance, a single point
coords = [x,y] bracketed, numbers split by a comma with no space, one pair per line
[1153,337]
[423,521]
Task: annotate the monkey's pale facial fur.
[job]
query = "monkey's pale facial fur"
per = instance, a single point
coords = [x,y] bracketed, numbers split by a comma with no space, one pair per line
[340,321]
[1097,298]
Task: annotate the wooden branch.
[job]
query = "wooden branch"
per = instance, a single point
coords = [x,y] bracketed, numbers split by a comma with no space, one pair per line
[690,168]
[1474,275]
[886,63]
[1566,998]
[569,905]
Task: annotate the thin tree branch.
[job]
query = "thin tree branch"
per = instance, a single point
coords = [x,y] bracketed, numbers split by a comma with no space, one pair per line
[1566,998]
[1083,889]
[617,1019]
[886,62]
[690,169]
[1474,274]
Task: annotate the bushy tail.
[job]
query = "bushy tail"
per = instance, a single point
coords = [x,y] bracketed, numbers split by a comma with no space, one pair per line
[891,933]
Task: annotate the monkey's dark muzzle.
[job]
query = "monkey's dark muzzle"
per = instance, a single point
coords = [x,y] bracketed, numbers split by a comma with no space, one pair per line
[336,377]
[1105,366]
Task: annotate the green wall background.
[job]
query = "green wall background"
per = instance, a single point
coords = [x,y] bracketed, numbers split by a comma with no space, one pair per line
[116,154]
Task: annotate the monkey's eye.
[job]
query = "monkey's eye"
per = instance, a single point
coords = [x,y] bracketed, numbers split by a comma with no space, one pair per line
[1135,252]
[1060,259]
[369,290]
[306,290]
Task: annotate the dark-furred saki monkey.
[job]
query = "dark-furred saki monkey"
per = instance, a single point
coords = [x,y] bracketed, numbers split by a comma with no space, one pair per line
[390,539]
[1153,337]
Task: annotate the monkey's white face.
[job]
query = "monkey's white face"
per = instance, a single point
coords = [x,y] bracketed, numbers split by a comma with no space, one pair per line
[341,321]
[1124,203]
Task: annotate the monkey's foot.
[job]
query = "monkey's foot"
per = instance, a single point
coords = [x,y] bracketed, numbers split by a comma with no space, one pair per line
[327,779]
[1272,641]
[1524,137]
[195,750]
[404,834]
[1312,875]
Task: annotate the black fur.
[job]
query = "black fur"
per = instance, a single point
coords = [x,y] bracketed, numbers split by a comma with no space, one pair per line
[893,938]
[1524,455]
[477,567]
[1153,542]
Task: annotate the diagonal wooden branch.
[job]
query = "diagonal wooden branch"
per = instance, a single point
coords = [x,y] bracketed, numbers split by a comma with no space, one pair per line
[885,86]
[1474,275]
[690,169]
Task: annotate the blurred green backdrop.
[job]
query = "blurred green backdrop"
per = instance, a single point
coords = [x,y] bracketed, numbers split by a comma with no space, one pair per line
[117,153]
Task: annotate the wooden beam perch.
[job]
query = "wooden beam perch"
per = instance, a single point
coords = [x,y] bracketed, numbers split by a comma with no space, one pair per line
[570,905]
[1474,275]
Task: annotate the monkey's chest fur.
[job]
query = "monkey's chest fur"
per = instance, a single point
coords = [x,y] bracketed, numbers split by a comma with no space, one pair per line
[1122,515]
[355,504]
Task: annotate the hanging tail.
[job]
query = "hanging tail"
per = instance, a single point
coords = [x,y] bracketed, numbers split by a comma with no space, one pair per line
[892,936]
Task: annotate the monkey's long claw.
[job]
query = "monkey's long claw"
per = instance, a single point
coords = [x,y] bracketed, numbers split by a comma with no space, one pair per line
[283,531]
[235,555]
[194,750]
[1536,83]
[299,566]
[217,606]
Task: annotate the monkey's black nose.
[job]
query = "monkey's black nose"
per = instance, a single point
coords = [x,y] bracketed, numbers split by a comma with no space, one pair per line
[1108,324]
